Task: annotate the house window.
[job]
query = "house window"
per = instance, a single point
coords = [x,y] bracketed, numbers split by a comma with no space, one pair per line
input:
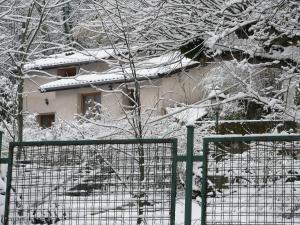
[46,120]
[91,104]
[67,72]
[129,99]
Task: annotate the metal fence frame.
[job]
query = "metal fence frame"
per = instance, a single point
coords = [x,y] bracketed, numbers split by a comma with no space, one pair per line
[189,159]
[9,162]
[1,134]
[232,138]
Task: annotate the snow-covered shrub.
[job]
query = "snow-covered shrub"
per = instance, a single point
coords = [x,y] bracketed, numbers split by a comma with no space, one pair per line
[7,97]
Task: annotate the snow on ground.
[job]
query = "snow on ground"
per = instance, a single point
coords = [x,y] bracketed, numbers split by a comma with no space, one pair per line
[216,93]
[91,220]
[188,116]
[269,205]
[261,184]
[179,215]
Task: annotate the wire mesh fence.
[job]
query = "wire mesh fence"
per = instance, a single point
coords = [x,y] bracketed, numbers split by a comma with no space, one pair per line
[253,180]
[91,183]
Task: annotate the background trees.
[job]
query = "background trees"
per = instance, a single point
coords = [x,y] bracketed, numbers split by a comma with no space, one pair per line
[255,34]
[259,38]
[29,30]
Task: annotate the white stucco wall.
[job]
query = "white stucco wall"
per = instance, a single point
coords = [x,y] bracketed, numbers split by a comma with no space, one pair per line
[150,98]
[185,87]
[112,104]
[68,102]
[94,67]
[34,100]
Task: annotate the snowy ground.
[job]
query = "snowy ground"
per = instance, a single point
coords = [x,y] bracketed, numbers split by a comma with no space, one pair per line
[270,210]
[254,183]
[256,206]
[196,212]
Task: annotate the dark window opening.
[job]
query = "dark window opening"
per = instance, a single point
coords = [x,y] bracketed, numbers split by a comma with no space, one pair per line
[91,104]
[129,99]
[46,120]
[67,72]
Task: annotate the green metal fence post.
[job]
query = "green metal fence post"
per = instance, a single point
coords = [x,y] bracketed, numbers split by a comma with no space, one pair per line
[1,133]
[174,182]
[204,182]
[8,184]
[189,176]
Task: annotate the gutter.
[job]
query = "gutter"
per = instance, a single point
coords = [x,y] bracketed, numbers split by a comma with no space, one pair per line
[76,86]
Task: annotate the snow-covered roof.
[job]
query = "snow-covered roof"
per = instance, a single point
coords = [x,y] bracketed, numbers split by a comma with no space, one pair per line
[70,58]
[147,69]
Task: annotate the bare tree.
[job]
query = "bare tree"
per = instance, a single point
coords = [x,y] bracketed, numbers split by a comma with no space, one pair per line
[253,33]
[31,26]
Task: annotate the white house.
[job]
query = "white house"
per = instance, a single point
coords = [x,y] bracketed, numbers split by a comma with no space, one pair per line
[56,67]
[165,81]
[70,84]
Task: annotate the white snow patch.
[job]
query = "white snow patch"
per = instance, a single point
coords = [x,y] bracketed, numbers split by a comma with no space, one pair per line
[216,93]
[188,116]
[71,57]
[179,215]
[210,42]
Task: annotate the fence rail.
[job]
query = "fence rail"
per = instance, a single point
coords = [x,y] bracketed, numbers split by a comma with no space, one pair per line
[92,182]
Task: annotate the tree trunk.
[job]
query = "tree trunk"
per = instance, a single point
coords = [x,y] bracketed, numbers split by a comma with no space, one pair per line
[141,153]
[20,114]
[67,24]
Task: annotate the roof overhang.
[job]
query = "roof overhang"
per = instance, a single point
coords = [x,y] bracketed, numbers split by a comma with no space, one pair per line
[117,81]
[73,58]
[62,65]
